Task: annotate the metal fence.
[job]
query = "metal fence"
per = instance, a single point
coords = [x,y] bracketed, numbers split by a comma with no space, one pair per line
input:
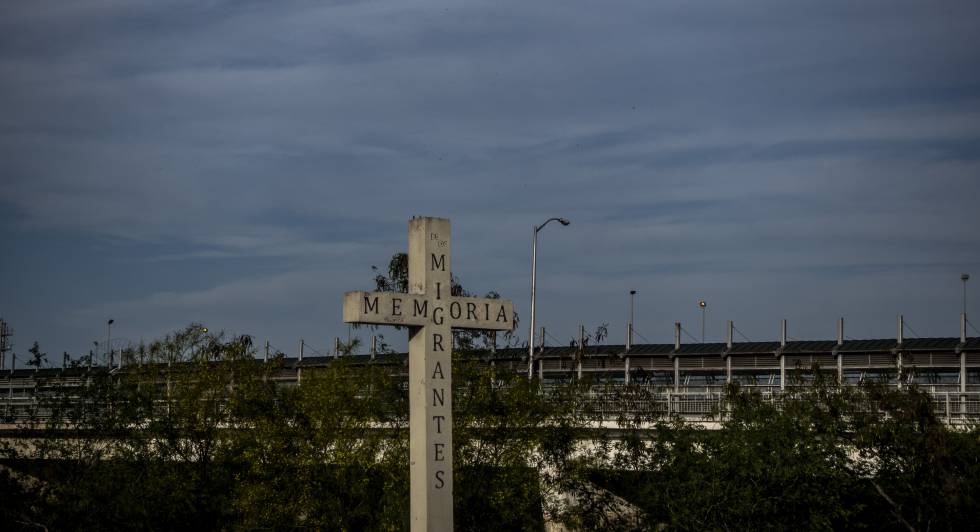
[610,403]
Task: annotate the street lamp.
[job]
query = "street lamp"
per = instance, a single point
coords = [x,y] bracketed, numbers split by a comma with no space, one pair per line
[534,276]
[964,277]
[108,340]
[704,306]
[629,327]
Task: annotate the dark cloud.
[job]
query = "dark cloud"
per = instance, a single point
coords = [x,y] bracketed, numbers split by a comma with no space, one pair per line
[244,163]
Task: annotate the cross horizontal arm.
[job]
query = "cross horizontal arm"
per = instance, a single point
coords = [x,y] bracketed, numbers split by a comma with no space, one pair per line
[479,313]
[385,308]
[417,310]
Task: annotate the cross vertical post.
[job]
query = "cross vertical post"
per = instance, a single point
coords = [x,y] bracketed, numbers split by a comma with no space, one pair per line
[430,377]
[431,312]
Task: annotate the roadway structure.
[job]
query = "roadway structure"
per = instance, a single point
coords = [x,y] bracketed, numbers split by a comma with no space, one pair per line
[682,379]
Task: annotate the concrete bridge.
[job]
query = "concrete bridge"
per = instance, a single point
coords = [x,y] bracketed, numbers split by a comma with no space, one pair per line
[673,379]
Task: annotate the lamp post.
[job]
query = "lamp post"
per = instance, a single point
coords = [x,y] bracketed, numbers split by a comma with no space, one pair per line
[704,306]
[108,341]
[629,327]
[964,277]
[534,276]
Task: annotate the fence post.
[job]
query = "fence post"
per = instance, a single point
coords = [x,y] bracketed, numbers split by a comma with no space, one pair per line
[948,411]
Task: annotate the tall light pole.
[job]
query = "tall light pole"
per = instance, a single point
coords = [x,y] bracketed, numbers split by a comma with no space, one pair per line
[964,277]
[534,277]
[629,328]
[704,307]
[108,341]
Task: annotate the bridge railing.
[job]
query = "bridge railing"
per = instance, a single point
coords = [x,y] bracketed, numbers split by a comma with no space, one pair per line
[611,404]
[957,405]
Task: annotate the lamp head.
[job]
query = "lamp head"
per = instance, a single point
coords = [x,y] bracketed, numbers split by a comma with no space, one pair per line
[563,221]
[110,322]
[965,277]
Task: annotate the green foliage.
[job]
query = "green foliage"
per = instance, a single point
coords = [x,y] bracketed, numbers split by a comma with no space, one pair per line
[200,435]
[196,434]
[508,433]
[328,454]
[820,457]
[397,278]
[37,357]
[925,476]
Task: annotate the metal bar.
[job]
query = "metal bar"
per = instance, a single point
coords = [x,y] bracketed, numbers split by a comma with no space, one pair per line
[534,276]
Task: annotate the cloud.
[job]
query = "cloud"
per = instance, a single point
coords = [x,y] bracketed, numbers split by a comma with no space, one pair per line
[697,148]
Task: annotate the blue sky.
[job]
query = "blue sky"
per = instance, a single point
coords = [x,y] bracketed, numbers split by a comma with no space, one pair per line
[242,164]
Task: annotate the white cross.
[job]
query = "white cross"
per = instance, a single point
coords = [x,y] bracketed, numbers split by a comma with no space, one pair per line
[431,312]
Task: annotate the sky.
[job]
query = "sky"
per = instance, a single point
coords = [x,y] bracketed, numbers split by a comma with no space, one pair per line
[243,164]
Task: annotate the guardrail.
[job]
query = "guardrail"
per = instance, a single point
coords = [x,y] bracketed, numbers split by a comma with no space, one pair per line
[610,404]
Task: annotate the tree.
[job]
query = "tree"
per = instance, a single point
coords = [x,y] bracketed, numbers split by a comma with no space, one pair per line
[396,280]
[201,436]
[924,476]
[512,441]
[328,452]
[37,357]
[158,431]
[821,456]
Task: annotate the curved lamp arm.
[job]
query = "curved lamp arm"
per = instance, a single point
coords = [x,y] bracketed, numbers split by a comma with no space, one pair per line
[562,221]
[534,274]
